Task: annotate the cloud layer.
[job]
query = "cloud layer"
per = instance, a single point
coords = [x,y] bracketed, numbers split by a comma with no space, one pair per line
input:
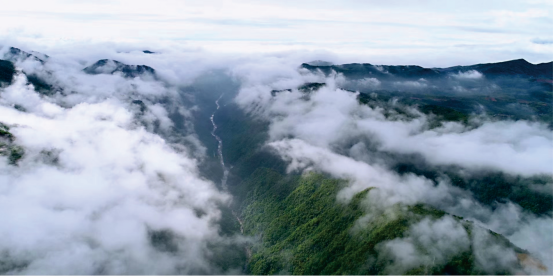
[329,131]
[109,182]
[96,192]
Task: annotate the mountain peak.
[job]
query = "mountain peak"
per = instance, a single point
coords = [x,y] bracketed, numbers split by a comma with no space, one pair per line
[319,63]
[15,54]
[107,66]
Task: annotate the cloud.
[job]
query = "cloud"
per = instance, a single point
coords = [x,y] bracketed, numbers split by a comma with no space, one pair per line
[137,168]
[374,32]
[331,132]
[410,85]
[428,243]
[471,74]
[542,41]
[333,115]
[96,192]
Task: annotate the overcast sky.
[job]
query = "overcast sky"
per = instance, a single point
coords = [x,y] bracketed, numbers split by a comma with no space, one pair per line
[429,33]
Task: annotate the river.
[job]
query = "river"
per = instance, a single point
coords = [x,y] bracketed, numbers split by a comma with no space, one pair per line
[225,169]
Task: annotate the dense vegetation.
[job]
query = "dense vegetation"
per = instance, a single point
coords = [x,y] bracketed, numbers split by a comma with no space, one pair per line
[8,148]
[7,70]
[487,187]
[304,230]
[298,224]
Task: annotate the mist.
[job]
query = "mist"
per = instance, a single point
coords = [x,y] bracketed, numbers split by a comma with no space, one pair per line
[113,176]
[328,130]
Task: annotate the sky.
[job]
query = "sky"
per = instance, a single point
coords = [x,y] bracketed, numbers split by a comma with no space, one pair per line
[425,32]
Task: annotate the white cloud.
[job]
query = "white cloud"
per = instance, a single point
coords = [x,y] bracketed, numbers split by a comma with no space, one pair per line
[332,133]
[94,184]
[375,32]
[130,178]
[471,74]
[428,243]
[332,115]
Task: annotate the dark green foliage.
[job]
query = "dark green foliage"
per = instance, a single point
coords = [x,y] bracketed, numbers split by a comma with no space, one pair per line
[7,71]
[447,114]
[424,210]
[140,105]
[5,132]
[9,265]
[491,187]
[310,87]
[543,95]
[304,229]
[228,225]
[488,187]
[518,67]
[301,227]
[364,98]
[357,71]
[514,67]
[19,108]
[241,133]
[16,153]
[229,258]
[163,240]
[40,85]
[128,71]
[16,54]
[274,92]
[7,147]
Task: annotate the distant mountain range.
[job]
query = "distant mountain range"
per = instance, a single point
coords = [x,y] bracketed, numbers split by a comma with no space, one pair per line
[106,66]
[16,54]
[295,224]
[518,67]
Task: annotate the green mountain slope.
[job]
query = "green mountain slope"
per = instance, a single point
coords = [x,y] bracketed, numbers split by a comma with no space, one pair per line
[303,230]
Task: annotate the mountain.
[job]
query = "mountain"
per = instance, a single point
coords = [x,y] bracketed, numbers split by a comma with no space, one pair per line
[7,70]
[16,54]
[518,67]
[512,90]
[107,66]
[301,229]
[305,233]
[288,214]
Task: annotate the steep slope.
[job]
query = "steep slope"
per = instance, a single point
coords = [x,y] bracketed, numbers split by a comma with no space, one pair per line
[107,66]
[7,70]
[15,54]
[518,67]
[303,230]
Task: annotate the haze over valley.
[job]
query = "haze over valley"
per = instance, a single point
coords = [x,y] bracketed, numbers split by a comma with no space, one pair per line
[147,155]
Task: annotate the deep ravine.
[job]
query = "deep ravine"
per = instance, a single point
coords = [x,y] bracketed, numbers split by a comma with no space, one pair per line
[219,146]
[225,170]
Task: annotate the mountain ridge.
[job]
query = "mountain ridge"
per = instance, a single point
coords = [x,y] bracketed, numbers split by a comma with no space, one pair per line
[108,66]
[519,67]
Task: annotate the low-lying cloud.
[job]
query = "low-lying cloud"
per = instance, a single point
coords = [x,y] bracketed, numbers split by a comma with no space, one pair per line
[95,191]
[471,74]
[109,182]
[330,131]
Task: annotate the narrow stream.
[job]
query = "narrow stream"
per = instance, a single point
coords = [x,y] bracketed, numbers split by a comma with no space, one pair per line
[225,170]
[219,146]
